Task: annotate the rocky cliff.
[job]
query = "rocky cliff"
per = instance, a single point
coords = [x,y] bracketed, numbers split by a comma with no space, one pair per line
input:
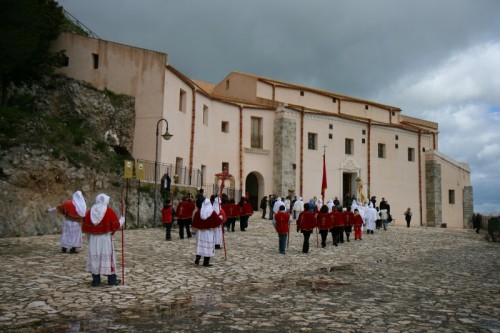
[56,137]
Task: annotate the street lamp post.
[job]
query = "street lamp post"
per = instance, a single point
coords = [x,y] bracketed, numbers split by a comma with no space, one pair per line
[165,136]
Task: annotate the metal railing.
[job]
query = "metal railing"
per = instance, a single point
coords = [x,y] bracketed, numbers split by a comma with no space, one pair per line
[179,175]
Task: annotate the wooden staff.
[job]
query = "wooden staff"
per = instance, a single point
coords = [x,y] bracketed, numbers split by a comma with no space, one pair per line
[288,237]
[222,228]
[123,243]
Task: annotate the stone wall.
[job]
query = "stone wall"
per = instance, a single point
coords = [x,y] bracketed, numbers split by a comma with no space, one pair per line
[285,133]
[433,193]
[468,206]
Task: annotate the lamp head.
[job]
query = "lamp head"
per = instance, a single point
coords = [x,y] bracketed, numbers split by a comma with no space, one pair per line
[167,136]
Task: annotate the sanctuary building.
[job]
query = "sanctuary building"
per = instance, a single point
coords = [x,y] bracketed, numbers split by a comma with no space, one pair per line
[271,135]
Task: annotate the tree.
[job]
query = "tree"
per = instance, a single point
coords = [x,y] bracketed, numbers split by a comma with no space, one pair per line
[27,28]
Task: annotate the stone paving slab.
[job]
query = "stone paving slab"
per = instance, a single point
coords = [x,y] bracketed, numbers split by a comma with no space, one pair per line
[400,280]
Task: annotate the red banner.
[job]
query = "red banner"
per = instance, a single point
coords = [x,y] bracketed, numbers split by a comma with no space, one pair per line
[323,183]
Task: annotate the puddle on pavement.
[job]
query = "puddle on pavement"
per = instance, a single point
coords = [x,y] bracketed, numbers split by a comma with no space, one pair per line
[147,319]
[332,269]
[321,285]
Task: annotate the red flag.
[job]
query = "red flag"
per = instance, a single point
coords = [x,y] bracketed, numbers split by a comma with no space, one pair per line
[323,183]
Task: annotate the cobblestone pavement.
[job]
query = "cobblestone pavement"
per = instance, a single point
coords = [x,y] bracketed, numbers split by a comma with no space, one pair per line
[400,280]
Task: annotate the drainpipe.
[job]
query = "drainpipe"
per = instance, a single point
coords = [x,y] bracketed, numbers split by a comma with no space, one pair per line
[191,145]
[241,149]
[420,175]
[301,162]
[369,159]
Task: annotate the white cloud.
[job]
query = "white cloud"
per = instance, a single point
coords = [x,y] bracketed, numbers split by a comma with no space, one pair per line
[461,95]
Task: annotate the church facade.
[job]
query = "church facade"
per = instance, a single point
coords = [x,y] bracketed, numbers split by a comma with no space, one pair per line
[272,136]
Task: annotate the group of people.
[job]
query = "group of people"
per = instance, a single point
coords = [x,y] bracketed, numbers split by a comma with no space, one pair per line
[330,218]
[207,217]
[100,223]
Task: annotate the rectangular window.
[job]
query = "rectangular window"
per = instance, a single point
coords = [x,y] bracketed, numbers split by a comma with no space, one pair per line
[95,60]
[451,196]
[312,141]
[330,126]
[396,146]
[397,137]
[363,132]
[225,127]
[363,140]
[334,100]
[302,93]
[366,106]
[423,149]
[349,146]
[182,100]
[330,136]
[381,150]
[225,167]
[205,115]
[256,140]
[411,154]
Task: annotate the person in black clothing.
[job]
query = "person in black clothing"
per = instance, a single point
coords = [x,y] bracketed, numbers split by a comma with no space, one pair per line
[272,200]
[476,221]
[200,198]
[263,206]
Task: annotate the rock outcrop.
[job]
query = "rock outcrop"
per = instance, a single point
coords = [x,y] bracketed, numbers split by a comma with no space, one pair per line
[38,170]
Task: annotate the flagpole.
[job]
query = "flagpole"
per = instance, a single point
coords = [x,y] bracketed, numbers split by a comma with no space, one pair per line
[323,188]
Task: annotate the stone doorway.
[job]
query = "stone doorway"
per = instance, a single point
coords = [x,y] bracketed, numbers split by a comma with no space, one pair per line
[254,187]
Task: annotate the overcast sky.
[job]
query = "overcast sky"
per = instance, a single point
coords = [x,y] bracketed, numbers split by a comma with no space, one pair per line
[436,59]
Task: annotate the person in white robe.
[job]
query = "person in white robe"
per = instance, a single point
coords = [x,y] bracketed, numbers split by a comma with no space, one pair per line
[277,205]
[100,224]
[74,211]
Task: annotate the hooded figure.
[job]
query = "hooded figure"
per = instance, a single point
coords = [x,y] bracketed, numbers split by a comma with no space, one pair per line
[218,231]
[277,205]
[74,211]
[330,205]
[370,217]
[100,223]
[298,207]
[205,221]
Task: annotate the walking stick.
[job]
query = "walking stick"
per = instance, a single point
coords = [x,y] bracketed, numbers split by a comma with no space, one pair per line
[317,239]
[223,237]
[123,244]
[288,237]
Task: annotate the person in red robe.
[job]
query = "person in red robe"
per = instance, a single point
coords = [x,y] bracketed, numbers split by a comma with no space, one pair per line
[349,222]
[232,213]
[100,223]
[324,223]
[281,223]
[184,213]
[74,211]
[205,221]
[246,210]
[306,224]
[358,223]
[166,219]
